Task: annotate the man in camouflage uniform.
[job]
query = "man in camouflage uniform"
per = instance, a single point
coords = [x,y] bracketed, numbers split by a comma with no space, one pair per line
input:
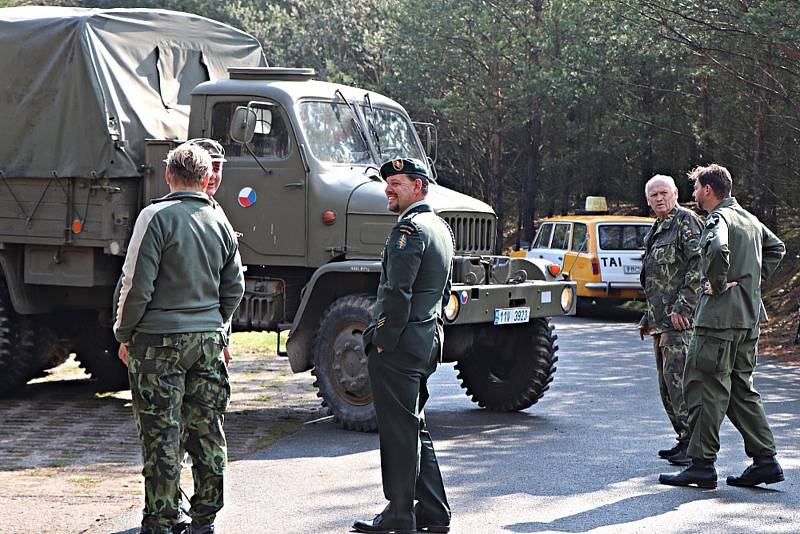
[181,282]
[738,253]
[404,345]
[670,277]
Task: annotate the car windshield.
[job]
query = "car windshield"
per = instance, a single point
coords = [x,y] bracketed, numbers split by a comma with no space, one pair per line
[622,236]
[332,134]
[392,134]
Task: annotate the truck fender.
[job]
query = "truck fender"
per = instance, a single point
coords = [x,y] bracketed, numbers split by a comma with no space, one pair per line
[328,283]
[24,298]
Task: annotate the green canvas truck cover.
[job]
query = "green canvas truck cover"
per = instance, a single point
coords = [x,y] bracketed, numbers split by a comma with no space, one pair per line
[81,89]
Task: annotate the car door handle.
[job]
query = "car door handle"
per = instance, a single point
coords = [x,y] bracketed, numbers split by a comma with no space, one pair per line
[294,184]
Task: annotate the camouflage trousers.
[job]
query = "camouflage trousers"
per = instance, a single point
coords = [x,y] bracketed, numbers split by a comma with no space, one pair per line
[180,391]
[670,348]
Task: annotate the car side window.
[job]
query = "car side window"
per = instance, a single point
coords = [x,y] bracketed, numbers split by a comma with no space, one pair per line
[580,238]
[560,236]
[271,142]
[543,237]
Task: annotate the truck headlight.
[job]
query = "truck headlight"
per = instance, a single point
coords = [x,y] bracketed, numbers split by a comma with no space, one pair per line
[452,308]
[566,298]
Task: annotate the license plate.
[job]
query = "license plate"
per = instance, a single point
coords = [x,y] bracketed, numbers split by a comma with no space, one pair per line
[512,315]
[632,269]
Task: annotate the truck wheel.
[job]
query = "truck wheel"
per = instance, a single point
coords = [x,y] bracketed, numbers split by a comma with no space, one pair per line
[96,351]
[340,363]
[19,361]
[512,368]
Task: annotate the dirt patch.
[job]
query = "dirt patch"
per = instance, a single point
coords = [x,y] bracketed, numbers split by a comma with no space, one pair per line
[70,458]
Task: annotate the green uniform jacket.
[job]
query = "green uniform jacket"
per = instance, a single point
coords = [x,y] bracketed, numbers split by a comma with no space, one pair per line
[671,269]
[416,268]
[735,247]
[182,272]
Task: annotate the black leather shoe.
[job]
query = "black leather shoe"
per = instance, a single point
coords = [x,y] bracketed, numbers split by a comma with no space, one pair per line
[666,453]
[379,525]
[431,525]
[422,526]
[205,529]
[764,470]
[681,457]
[699,473]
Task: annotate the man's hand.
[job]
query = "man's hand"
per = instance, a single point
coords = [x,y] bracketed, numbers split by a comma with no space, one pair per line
[379,349]
[709,291]
[122,353]
[226,355]
[679,322]
[644,330]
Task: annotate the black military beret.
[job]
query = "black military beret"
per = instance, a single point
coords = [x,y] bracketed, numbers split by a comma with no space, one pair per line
[404,166]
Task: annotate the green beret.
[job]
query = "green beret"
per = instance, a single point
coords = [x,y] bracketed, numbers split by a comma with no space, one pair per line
[404,166]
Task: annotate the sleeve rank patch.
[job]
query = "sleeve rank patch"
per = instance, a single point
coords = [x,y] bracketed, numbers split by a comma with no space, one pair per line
[381,322]
[406,229]
[402,243]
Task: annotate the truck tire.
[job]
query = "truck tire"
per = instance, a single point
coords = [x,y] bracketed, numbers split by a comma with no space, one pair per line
[19,361]
[512,368]
[96,351]
[340,363]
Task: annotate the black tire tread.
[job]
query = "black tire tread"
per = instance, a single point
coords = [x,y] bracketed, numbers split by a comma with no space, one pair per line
[19,361]
[472,373]
[344,417]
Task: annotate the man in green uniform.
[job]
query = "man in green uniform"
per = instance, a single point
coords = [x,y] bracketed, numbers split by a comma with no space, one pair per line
[670,277]
[738,253]
[181,282]
[403,345]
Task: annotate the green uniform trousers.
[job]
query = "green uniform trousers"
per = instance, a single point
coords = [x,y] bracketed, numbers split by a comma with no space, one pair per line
[408,462]
[179,385]
[717,382]
[670,349]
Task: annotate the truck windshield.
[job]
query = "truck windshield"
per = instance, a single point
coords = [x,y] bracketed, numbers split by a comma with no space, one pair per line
[396,137]
[332,134]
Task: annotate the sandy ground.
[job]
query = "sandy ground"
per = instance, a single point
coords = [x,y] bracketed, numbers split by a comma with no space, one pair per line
[70,457]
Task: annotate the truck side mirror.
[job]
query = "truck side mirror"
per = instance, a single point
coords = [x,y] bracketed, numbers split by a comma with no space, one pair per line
[243,125]
[431,139]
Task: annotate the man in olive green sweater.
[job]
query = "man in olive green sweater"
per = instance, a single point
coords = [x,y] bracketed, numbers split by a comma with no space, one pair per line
[738,253]
[181,282]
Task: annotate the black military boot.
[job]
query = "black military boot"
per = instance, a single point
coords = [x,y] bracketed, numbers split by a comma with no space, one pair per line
[700,473]
[666,453]
[764,470]
[681,457]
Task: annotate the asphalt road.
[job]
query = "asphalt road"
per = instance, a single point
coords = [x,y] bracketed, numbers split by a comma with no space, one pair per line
[582,460]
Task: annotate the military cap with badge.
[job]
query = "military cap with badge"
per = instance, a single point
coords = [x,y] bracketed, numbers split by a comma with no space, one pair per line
[409,166]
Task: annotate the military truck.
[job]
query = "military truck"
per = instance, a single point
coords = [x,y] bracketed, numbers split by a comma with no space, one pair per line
[300,186]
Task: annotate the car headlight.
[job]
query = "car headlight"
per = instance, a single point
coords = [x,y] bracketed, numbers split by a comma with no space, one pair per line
[566,298]
[452,308]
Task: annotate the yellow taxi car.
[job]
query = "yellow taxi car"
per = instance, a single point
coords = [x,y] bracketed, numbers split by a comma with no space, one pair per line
[601,252]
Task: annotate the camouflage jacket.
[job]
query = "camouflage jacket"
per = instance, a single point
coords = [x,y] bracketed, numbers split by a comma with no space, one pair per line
[671,268]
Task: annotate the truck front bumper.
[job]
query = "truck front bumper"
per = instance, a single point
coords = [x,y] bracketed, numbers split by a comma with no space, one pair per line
[477,304]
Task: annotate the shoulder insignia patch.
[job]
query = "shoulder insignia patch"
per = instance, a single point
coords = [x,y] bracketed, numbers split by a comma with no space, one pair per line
[712,221]
[402,242]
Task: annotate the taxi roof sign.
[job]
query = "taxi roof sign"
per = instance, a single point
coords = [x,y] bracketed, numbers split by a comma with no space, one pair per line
[596,205]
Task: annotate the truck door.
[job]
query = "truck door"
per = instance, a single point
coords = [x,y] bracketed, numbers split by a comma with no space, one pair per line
[267,206]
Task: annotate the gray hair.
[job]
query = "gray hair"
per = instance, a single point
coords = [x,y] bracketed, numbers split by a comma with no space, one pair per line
[660,178]
[189,164]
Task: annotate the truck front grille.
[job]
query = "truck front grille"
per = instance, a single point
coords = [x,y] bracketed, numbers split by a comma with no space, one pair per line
[474,233]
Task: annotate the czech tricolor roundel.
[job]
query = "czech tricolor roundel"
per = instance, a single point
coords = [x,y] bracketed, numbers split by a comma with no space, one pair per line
[247,197]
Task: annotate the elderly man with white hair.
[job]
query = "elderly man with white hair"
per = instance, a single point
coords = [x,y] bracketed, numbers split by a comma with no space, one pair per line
[670,277]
